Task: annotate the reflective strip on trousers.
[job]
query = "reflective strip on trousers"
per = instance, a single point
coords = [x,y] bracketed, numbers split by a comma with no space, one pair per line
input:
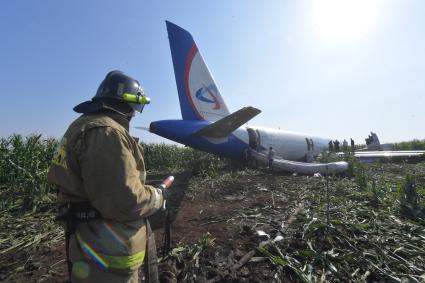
[109,261]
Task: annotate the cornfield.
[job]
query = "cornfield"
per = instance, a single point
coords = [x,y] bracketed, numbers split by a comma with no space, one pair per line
[410,145]
[24,163]
[23,168]
[27,201]
[173,158]
[370,228]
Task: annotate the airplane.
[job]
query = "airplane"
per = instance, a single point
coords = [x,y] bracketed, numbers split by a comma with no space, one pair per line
[376,151]
[209,126]
[373,144]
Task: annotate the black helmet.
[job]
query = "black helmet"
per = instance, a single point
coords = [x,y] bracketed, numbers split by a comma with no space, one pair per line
[117,91]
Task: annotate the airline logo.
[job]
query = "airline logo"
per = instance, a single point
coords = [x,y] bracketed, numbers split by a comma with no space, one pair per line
[208,94]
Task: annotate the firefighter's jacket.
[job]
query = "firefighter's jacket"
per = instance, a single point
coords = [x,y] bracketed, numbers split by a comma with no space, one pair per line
[98,161]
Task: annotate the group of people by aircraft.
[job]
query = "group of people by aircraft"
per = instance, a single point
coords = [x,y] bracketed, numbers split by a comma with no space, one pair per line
[333,146]
[249,161]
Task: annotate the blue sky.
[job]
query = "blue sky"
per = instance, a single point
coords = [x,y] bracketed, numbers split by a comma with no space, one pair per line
[310,66]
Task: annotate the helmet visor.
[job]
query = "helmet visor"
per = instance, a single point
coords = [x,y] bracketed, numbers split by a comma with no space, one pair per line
[137,107]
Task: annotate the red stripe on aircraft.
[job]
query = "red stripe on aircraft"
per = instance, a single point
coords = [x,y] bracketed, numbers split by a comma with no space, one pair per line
[192,53]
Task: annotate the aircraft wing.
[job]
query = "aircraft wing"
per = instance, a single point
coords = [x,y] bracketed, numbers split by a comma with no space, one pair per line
[143,128]
[379,154]
[225,126]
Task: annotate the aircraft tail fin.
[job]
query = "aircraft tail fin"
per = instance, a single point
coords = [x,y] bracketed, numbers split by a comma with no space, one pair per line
[372,142]
[198,94]
[225,126]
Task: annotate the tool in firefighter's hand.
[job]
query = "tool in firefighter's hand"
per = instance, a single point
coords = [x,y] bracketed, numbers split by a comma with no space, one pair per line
[166,183]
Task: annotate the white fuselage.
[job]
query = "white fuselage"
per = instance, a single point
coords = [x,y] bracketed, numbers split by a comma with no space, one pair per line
[287,145]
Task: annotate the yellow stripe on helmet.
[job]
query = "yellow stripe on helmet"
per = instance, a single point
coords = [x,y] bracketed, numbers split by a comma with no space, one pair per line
[139,99]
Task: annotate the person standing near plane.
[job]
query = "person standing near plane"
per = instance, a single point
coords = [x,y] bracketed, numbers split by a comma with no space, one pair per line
[344,145]
[271,158]
[352,144]
[336,145]
[103,200]
[247,155]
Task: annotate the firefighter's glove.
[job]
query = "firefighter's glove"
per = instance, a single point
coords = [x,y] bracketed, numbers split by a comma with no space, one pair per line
[165,192]
[165,195]
[164,189]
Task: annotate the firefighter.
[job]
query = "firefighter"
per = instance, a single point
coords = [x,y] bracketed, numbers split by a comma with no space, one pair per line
[103,200]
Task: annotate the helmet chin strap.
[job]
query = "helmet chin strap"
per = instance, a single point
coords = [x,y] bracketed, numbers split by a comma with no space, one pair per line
[128,116]
[133,114]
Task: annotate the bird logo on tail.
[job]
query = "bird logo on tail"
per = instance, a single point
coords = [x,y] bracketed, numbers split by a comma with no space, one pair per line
[208,94]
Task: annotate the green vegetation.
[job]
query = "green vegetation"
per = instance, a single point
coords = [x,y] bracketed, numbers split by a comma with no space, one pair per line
[412,199]
[410,145]
[27,201]
[193,251]
[24,164]
[374,231]
[173,158]
[369,237]
[403,195]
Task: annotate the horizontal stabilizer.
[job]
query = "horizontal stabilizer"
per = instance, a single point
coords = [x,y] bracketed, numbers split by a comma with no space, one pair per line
[225,126]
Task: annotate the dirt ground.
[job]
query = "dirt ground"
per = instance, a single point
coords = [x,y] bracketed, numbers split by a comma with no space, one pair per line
[251,226]
[229,210]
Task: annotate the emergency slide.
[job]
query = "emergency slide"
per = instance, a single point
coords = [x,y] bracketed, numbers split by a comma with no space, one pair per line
[301,167]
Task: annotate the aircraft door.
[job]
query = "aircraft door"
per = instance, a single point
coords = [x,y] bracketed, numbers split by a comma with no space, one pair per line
[253,139]
[308,144]
[260,139]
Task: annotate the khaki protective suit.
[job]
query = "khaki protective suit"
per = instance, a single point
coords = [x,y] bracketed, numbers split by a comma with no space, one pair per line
[98,161]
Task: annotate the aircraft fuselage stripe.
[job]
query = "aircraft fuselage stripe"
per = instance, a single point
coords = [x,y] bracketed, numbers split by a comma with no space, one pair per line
[191,55]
